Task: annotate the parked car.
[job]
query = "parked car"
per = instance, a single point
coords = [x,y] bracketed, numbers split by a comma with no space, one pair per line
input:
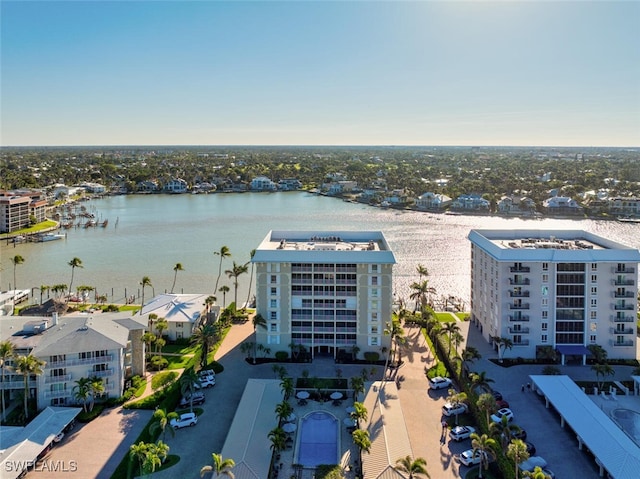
[531,449]
[454,409]
[439,383]
[519,434]
[468,458]
[533,462]
[206,382]
[497,396]
[458,433]
[502,404]
[198,398]
[504,412]
[186,419]
[549,473]
[203,373]
[58,437]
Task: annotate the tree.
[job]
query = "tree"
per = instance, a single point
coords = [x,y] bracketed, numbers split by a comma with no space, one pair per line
[188,382]
[480,381]
[208,302]
[283,410]
[161,326]
[161,420]
[287,388]
[602,371]
[96,388]
[224,289]
[42,288]
[537,473]
[361,440]
[6,352]
[410,466]
[139,451]
[503,344]
[234,273]
[517,452]
[457,340]
[422,271]
[205,337]
[74,263]
[357,384]
[16,260]
[278,438]
[487,403]
[485,446]
[598,352]
[81,392]
[223,253]
[469,355]
[221,467]
[503,431]
[449,328]
[146,281]
[395,330]
[252,253]
[420,294]
[455,398]
[359,412]
[176,268]
[148,339]
[27,366]
[258,321]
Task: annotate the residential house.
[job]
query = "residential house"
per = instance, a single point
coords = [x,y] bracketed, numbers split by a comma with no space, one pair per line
[147,186]
[183,312]
[433,201]
[561,205]
[472,202]
[629,206]
[289,184]
[262,183]
[176,186]
[340,187]
[516,205]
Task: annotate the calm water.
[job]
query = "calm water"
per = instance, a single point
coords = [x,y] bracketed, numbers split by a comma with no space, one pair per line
[153,233]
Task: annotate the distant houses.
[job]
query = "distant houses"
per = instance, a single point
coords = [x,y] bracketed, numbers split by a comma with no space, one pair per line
[516,205]
[176,186]
[433,201]
[262,183]
[472,202]
[561,205]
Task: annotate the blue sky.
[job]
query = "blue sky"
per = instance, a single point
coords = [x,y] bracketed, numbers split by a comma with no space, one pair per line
[320,73]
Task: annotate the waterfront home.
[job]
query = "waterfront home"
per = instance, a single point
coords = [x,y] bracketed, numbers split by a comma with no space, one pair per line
[629,206]
[561,205]
[289,184]
[60,190]
[432,201]
[183,312]
[516,205]
[176,186]
[397,197]
[262,183]
[106,345]
[95,188]
[340,187]
[472,202]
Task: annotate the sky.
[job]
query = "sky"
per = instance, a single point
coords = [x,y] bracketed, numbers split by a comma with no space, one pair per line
[543,73]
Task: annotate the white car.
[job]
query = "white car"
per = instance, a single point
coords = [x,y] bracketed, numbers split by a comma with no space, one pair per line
[454,409]
[439,383]
[533,462]
[206,382]
[468,458]
[504,412]
[203,373]
[185,419]
[459,433]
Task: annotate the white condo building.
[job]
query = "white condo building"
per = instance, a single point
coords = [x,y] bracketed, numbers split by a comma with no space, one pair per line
[325,290]
[563,289]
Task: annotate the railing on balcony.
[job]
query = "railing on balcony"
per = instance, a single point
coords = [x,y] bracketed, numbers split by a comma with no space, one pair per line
[56,394]
[622,343]
[81,362]
[519,281]
[623,294]
[513,330]
[519,294]
[623,307]
[100,374]
[57,379]
[519,306]
[16,385]
[520,269]
[517,319]
[622,319]
[522,342]
[623,270]
[623,282]
[623,331]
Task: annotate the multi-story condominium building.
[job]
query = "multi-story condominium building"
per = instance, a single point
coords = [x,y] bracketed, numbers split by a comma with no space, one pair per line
[328,291]
[109,346]
[559,289]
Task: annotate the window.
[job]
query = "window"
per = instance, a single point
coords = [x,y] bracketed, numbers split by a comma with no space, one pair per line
[544,338]
[273,303]
[545,278]
[594,314]
[374,281]
[594,278]
[544,326]
[373,341]
[374,316]
[592,339]
[179,325]
[594,302]
[545,266]
[545,291]
[545,314]
[273,315]
[374,330]
[374,292]
[374,305]
[374,268]
[594,266]
[545,301]
[273,327]
[274,291]
[273,279]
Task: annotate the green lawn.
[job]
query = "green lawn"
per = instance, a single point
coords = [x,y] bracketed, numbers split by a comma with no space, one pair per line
[444,317]
[35,228]
[179,349]
[177,362]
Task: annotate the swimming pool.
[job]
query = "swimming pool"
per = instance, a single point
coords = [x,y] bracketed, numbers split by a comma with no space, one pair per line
[318,439]
[629,422]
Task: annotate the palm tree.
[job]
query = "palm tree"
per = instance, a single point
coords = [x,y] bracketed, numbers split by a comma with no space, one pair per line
[257,321]
[74,263]
[485,446]
[161,326]
[422,271]
[420,294]
[139,451]
[6,352]
[208,302]
[487,403]
[449,328]
[148,339]
[517,452]
[602,370]
[234,273]
[224,289]
[455,398]
[417,466]
[395,330]
[205,336]
[96,388]
[457,340]
[278,439]
[503,344]
[283,410]
[469,355]
[221,467]
[28,365]
[146,281]
[176,268]
[537,473]
[252,253]
[359,413]
[162,420]
[188,382]
[286,386]
[81,391]
[357,384]
[480,381]
[43,288]
[223,253]
[503,431]
[16,260]
[361,440]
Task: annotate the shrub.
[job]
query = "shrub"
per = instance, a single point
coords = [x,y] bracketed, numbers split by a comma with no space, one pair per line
[282,355]
[111,308]
[371,356]
[90,415]
[551,371]
[158,363]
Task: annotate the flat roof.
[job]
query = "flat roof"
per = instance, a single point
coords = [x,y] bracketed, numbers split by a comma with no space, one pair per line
[617,453]
[325,247]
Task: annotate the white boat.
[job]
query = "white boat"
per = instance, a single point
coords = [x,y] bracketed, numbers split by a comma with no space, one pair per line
[49,237]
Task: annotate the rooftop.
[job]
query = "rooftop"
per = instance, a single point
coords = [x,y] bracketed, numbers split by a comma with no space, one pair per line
[550,242]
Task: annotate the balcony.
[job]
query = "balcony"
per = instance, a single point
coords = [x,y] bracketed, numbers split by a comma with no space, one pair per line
[517,319]
[16,385]
[519,294]
[622,343]
[522,342]
[623,331]
[519,281]
[100,374]
[520,269]
[624,294]
[57,379]
[623,307]
[56,394]
[81,362]
[623,282]
[623,270]
[513,330]
[622,319]
[519,306]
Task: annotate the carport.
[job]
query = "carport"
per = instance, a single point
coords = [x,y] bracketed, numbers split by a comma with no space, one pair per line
[573,350]
[614,451]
